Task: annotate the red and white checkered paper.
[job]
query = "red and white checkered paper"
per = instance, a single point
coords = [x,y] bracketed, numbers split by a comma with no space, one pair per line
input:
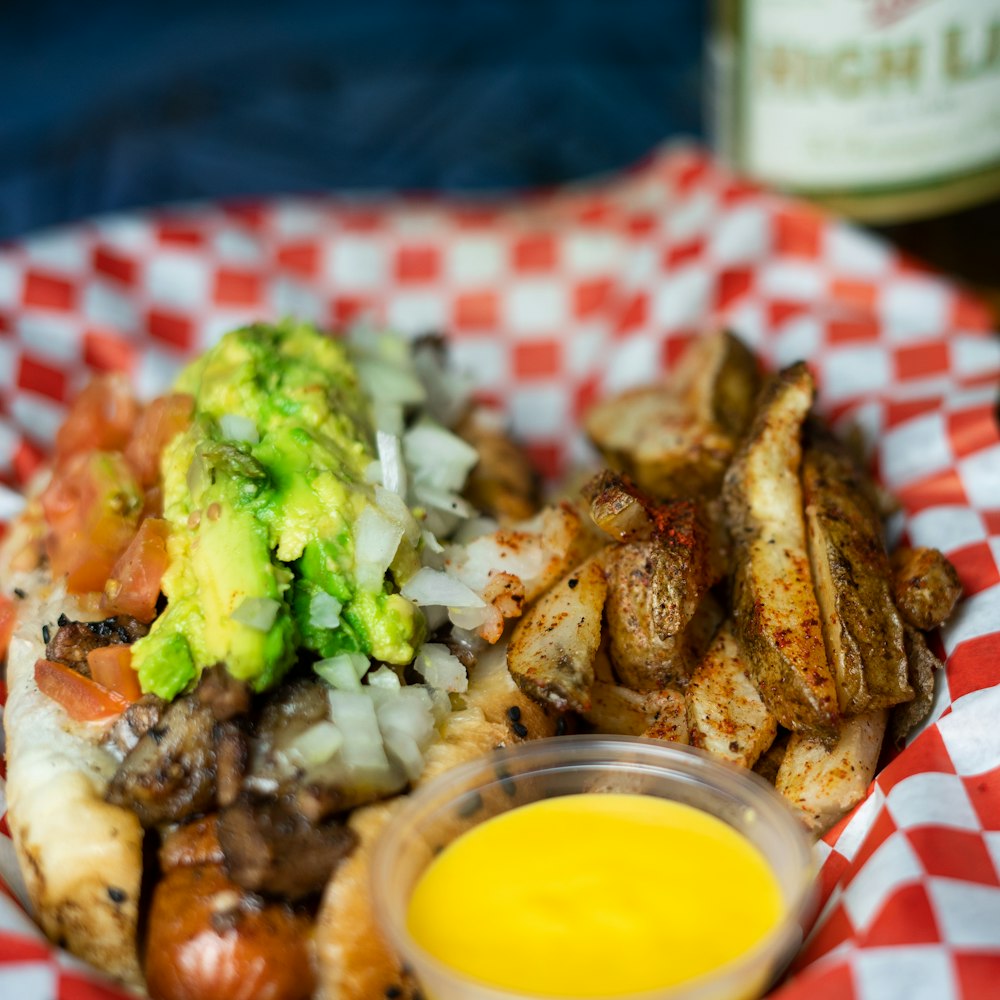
[552,300]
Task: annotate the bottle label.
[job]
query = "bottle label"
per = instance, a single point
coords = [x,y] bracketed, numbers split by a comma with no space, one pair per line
[869,94]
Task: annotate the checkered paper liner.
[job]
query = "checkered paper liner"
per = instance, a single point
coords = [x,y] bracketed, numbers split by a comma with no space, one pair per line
[551,300]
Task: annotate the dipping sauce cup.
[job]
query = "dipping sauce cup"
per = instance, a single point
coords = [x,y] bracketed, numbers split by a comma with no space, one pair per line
[732,869]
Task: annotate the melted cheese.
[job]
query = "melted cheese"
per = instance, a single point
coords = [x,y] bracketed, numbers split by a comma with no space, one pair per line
[591,895]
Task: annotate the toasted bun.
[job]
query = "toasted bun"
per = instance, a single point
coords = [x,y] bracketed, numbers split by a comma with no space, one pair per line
[81,857]
[355,962]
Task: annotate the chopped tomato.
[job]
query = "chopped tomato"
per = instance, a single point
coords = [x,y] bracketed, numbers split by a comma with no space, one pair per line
[111,667]
[92,509]
[101,418]
[8,616]
[133,586]
[84,700]
[161,421]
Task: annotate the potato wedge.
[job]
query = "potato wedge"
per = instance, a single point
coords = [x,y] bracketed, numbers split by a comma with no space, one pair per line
[670,723]
[776,615]
[617,709]
[675,439]
[861,626]
[823,780]
[925,585]
[619,508]
[725,713]
[660,611]
[769,762]
[553,647]
[923,668]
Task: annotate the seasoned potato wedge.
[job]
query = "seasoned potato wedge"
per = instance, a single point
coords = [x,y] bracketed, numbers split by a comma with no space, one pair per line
[769,762]
[617,709]
[676,439]
[923,667]
[618,508]
[861,626]
[925,585]
[777,618]
[553,647]
[660,611]
[823,780]
[725,713]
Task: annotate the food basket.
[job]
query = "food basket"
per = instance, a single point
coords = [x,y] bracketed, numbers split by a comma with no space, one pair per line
[550,301]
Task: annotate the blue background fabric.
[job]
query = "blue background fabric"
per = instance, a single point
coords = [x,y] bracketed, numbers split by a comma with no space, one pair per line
[113,105]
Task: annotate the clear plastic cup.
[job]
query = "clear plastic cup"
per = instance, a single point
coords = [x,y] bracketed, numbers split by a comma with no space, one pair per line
[467,795]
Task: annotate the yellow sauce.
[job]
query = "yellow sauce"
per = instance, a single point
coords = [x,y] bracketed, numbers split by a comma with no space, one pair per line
[590,895]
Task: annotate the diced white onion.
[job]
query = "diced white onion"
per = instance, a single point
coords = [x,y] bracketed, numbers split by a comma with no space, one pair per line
[403,748]
[388,417]
[324,610]
[236,427]
[436,616]
[441,668]
[447,391]
[316,745]
[470,618]
[373,472]
[390,456]
[431,544]
[437,457]
[384,677]
[257,612]
[343,671]
[433,587]
[390,383]
[354,714]
[376,539]
[443,500]
[394,507]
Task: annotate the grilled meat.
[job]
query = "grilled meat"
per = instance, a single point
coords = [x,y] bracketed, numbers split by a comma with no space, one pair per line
[270,847]
[72,641]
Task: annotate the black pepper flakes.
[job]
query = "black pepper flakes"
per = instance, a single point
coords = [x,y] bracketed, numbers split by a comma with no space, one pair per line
[19,593]
[46,632]
[514,713]
[117,895]
[520,729]
[392,992]
[572,583]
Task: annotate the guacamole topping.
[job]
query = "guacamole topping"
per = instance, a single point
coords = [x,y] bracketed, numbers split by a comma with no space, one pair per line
[266,496]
